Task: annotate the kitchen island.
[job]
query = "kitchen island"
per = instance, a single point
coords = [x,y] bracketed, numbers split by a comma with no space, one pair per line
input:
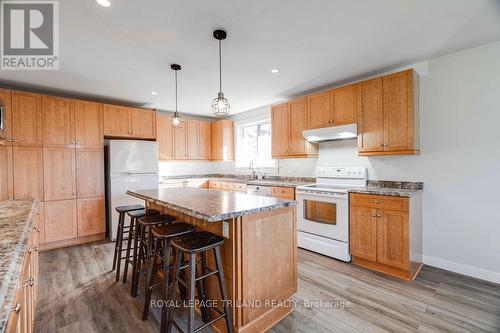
[259,253]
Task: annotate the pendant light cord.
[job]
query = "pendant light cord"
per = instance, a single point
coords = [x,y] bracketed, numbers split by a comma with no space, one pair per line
[175,92]
[220,66]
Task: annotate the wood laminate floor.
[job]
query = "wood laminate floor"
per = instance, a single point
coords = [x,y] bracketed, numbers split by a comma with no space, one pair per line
[78,293]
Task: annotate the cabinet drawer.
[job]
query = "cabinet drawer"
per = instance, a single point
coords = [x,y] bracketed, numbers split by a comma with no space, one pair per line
[283,192]
[240,187]
[214,184]
[379,201]
[226,186]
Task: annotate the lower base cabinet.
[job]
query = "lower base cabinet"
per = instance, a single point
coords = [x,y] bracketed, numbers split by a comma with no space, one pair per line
[386,234]
[22,315]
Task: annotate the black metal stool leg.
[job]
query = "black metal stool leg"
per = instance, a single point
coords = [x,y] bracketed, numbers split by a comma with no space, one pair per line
[227,309]
[150,279]
[168,308]
[131,230]
[119,254]
[121,218]
[192,283]
[136,259]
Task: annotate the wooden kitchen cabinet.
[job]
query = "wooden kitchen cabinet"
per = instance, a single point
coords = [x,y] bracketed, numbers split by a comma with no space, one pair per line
[59,169]
[26,119]
[223,140]
[125,122]
[389,117]
[6,173]
[283,192]
[89,127]
[180,142]
[288,121]
[192,138]
[386,233]
[345,105]
[60,220]
[165,138]
[142,123]
[90,216]
[58,121]
[6,103]
[205,141]
[320,110]
[89,172]
[28,172]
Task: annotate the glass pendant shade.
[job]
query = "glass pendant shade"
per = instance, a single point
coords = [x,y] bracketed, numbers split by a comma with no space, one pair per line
[176,120]
[220,105]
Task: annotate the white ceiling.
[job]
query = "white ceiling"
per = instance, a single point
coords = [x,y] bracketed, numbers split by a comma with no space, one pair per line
[123,52]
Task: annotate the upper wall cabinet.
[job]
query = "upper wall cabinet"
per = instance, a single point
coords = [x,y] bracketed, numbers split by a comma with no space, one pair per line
[6,103]
[334,107]
[288,121]
[26,119]
[89,128]
[126,122]
[389,118]
[58,121]
[223,140]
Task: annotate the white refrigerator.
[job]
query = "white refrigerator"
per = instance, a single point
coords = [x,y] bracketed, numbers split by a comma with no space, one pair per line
[130,165]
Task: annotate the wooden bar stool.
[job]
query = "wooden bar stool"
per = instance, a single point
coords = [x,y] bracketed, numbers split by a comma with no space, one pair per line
[161,254]
[134,215]
[192,244]
[120,231]
[143,239]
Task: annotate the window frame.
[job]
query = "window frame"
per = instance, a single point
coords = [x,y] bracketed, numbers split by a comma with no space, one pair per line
[239,128]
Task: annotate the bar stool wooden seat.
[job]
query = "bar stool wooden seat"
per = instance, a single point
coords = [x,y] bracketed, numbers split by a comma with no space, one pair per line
[120,231]
[192,244]
[143,240]
[134,215]
[161,253]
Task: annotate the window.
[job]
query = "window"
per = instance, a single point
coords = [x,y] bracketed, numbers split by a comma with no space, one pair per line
[253,144]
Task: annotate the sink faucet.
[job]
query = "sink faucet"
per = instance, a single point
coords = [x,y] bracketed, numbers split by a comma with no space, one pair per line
[252,169]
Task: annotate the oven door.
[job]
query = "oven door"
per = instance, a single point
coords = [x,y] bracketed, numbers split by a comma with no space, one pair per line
[323,215]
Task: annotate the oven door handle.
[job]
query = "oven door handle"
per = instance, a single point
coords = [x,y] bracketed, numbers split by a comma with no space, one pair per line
[334,196]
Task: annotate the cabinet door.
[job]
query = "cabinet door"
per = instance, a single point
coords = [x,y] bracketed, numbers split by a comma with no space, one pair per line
[89,131]
[6,103]
[320,110]
[393,239]
[298,123]
[398,111]
[143,123]
[90,216]
[58,121]
[60,220]
[227,140]
[216,140]
[180,142]
[280,124]
[116,121]
[370,120]
[205,141]
[165,138]
[6,173]
[59,173]
[363,232]
[345,102]
[26,119]
[193,136]
[28,172]
[89,172]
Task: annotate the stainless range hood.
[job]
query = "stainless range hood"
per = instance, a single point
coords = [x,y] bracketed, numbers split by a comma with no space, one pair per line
[334,133]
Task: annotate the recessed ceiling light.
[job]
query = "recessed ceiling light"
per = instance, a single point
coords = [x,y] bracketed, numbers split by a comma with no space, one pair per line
[275,70]
[104,3]
[153,93]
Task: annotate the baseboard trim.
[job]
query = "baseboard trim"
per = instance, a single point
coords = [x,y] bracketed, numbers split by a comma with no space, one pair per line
[472,271]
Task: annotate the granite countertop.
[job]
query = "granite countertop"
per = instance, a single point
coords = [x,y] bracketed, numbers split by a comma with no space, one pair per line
[391,188]
[269,181]
[210,205]
[15,225]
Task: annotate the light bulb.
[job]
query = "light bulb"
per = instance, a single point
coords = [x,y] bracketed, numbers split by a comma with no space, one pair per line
[175,121]
[104,3]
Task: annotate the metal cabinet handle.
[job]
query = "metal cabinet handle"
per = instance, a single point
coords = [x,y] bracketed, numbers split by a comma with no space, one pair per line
[379,215]
[14,140]
[9,140]
[16,308]
[30,282]
[376,202]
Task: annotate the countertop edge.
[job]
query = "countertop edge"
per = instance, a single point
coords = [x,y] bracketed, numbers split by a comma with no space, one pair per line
[213,218]
[6,296]
[392,192]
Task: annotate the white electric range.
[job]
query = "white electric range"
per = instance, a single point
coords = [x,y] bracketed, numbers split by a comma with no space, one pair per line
[323,210]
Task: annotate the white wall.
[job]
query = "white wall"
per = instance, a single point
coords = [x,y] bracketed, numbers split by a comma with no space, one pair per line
[459,164]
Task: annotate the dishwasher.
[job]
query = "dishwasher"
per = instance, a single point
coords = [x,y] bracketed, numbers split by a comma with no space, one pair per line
[265,191]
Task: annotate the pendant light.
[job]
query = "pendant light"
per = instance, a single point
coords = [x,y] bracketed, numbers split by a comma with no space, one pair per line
[220,104]
[175,119]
